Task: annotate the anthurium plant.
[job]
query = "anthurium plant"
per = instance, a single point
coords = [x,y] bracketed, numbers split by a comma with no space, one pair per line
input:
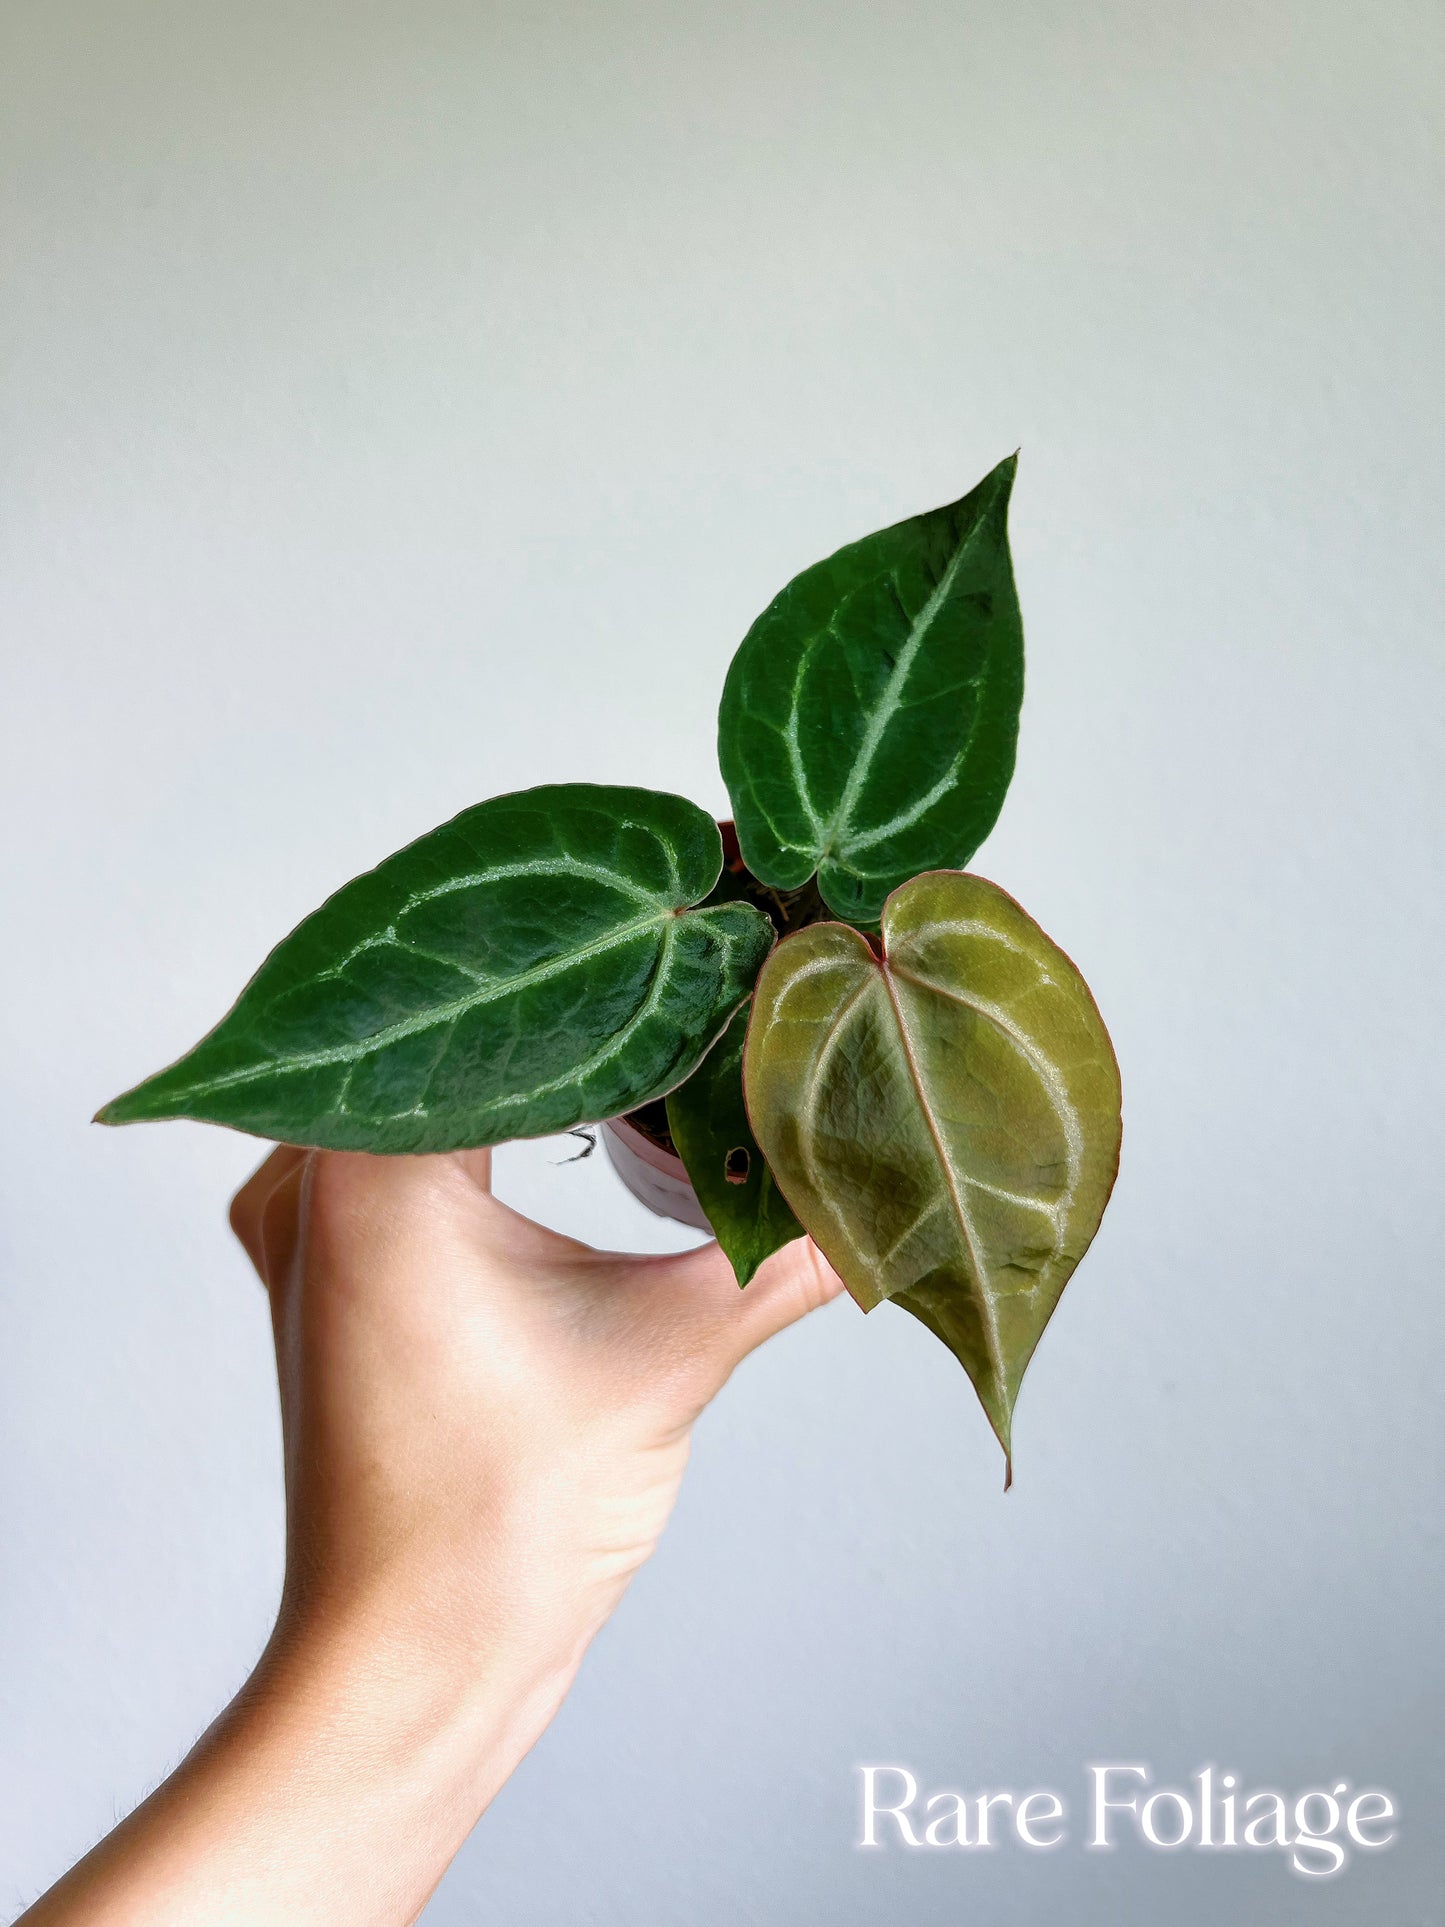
[833,1025]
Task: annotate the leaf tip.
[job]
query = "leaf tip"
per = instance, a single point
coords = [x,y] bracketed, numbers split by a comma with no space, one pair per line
[1005,474]
[1001,1423]
[130,1107]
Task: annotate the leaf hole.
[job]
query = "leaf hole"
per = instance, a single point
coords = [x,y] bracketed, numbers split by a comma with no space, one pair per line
[737,1164]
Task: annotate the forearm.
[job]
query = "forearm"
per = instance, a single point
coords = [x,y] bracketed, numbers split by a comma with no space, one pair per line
[336,1788]
[485,1426]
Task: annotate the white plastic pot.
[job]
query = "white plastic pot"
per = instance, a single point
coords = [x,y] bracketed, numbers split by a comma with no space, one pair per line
[654,1177]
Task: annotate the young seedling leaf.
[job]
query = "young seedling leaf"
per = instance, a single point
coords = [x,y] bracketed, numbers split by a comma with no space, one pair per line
[534,964]
[944,1118]
[869,718]
[709,1125]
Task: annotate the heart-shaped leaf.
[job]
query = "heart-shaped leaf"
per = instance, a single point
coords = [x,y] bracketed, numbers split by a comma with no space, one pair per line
[709,1124]
[944,1118]
[531,965]
[869,719]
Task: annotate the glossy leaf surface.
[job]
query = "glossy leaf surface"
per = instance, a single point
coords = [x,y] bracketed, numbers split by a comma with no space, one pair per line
[531,965]
[709,1123]
[943,1119]
[869,719]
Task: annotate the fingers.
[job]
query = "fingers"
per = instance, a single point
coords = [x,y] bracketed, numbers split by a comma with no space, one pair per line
[250,1205]
[345,1180]
[264,1212]
[281,1224]
[477,1165]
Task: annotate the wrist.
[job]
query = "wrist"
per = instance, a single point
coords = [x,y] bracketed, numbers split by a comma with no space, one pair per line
[400,1701]
[338,1784]
[499,1597]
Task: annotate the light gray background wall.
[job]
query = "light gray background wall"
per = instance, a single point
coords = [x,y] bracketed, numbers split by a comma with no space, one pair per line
[404,403]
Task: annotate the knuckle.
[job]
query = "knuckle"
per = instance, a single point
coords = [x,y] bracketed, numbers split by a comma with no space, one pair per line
[354,1200]
[340,1194]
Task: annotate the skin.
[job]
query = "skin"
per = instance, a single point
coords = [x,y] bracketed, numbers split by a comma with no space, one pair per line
[485,1425]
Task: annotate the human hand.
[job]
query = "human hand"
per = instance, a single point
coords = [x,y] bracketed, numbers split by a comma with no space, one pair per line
[485,1424]
[485,1421]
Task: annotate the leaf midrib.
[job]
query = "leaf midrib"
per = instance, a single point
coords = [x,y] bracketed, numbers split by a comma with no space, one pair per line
[440,1014]
[960,1209]
[1043,1069]
[888,703]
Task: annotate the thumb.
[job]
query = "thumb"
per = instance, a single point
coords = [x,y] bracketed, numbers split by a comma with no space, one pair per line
[788,1285]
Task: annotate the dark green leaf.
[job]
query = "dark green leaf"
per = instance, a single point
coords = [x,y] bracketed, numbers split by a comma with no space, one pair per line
[709,1125]
[869,719]
[531,965]
[944,1119]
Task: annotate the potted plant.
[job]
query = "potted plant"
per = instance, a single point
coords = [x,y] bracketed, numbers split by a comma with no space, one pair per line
[812,1018]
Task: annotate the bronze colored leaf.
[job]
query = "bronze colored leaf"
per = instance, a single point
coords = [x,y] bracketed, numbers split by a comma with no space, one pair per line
[943,1118]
